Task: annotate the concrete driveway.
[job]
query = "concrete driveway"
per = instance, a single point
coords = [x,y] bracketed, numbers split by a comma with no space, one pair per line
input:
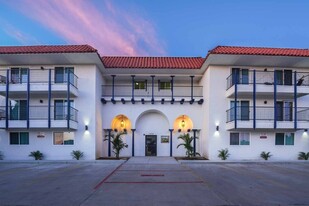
[154,181]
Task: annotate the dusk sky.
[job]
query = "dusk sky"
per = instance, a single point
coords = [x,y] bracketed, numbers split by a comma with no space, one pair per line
[155,28]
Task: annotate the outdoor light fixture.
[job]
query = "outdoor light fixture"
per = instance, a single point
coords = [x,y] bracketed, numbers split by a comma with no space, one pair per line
[122,122]
[183,123]
[217,128]
[86,127]
[306,130]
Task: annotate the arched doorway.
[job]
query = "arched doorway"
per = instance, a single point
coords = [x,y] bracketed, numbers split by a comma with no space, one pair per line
[152,134]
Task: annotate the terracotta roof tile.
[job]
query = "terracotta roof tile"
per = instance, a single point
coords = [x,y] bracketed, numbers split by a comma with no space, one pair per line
[236,50]
[153,62]
[46,49]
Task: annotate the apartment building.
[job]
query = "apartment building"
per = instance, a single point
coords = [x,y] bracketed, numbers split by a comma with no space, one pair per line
[62,98]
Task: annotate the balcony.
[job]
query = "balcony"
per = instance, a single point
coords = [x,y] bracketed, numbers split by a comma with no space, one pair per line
[265,118]
[38,117]
[40,82]
[124,93]
[265,83]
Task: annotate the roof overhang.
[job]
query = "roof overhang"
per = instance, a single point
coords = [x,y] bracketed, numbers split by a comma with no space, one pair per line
[256,60]
[52,59]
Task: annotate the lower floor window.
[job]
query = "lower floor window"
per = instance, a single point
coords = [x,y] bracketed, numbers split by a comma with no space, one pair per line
[242,138]
[284,139]
[19,138]
[63,138]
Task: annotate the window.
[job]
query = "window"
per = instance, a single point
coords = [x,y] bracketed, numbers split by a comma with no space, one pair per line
[61,74]
[18,109]
[284,77]
[63,138]
[239,138]
[19,138]
[241,76]
[19,75]
[242,110]
[284,139]
[140,84]
[61,108]
[164,85]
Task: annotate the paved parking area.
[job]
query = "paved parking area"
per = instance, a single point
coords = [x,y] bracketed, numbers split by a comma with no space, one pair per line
[154,181]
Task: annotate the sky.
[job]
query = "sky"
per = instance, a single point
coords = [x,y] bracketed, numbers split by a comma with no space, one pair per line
[155,27]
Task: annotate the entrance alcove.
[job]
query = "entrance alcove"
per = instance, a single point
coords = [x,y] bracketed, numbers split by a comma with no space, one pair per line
[153,125]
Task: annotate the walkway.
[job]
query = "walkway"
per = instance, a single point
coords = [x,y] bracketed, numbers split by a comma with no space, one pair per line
[153,181]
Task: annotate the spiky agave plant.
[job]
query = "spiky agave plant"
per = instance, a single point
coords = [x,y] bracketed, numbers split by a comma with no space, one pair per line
[223,154]
[303,155]
[77,154]
[265,155]
[117,143]
[37,155]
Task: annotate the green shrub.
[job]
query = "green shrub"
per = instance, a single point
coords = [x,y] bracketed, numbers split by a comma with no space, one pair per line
[223,154]
[187,140]
[37,155]
[303,156]
[118,143]
[77,154]
[265,155]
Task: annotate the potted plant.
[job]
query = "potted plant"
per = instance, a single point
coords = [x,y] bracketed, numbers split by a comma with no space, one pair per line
[37,155]
[265,155]
[77,154]
[117,143]
[223,154]
[187,144]
[303,156]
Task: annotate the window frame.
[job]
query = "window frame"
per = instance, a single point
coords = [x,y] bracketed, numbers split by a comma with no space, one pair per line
[164,85]
[19,138]
[285,139]
[138,83]
[239,134]
[63,138]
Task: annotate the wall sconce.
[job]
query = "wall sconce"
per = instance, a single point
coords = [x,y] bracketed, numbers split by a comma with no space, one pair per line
[122,123]
[189,130]
[179,130]
[183,123]
[86,127]
[306,130]
[217,128]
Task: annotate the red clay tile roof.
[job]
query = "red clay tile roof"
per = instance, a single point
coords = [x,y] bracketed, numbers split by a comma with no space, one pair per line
[46,49]
[153,62]
[237,50]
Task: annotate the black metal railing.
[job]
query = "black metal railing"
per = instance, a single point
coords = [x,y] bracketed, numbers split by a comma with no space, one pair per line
[283,77]
[39,113]
[38,76]
[125,90]
[267,113]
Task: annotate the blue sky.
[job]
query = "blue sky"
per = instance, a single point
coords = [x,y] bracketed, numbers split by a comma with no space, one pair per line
[155,28]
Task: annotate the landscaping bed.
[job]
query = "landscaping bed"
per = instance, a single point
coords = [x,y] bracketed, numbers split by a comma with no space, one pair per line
[190,158]
[113,158]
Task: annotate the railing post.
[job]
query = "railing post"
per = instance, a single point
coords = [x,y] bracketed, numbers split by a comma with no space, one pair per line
[132,88]
[152,89]
[109,141]
[7,99]
[133,131]
[172,87]
[28,97]
[49,97]
[68,101]
[235,100]
[191,87]
[295,100]
[113,87]
[194,141]
[275,99]
[171,142]
[254,99]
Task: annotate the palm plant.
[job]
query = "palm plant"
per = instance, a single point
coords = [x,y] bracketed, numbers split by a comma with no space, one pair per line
[187,144]
[265,155]
[223,154]
[77,154]
[303,155]
[117,143]
[37,155]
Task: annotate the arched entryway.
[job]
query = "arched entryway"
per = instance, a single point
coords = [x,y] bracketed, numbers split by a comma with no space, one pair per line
[152,134]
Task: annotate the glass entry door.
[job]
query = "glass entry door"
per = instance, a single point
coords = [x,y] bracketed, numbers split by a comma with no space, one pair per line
[151,145]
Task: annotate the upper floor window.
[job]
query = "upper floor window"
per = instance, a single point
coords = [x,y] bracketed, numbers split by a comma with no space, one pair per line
[164,85]
[61,74]
[61,109]
[241,76]
[140,85]
[18,109]
[284,77]
[19,75]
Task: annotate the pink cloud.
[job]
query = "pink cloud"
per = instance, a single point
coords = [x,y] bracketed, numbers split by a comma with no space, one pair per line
[112,30]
